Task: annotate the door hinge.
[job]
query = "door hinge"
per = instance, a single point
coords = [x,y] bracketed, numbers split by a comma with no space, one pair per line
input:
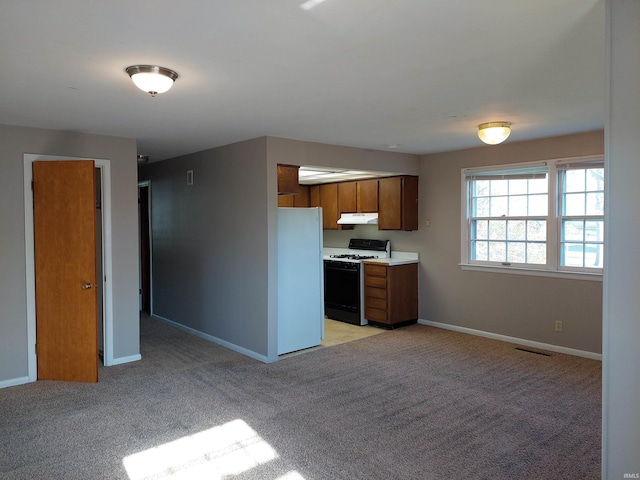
[35,347]
[32,185]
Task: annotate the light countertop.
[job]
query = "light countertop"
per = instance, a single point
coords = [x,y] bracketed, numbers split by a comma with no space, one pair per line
[397,258]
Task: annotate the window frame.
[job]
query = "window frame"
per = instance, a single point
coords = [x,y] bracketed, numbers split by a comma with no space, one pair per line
[553,220]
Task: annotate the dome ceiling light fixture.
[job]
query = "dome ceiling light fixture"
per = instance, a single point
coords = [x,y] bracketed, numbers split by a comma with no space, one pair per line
[151,78]
[493,133]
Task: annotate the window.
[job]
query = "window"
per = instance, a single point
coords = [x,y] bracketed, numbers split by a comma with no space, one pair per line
[581,214]
[546,216]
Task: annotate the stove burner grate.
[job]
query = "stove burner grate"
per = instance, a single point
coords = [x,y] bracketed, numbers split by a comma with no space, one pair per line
[349,256]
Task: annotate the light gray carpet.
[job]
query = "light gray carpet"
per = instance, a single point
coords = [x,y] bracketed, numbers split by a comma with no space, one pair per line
[414,403]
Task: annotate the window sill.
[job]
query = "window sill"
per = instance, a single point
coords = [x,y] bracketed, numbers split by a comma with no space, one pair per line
[590,277]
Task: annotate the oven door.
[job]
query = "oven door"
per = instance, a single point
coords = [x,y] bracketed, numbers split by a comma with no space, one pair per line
[342,291]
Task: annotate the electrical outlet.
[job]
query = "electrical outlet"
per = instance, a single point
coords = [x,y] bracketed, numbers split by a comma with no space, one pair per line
[558,325]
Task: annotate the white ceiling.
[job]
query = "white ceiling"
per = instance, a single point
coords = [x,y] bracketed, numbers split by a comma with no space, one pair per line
[418,75]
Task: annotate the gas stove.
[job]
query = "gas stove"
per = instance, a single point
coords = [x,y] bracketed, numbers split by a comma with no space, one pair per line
[360,249]
[344,280]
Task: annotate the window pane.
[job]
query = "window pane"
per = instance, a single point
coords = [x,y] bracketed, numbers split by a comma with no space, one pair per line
[537,253]
[572,255]
[538,185]
[517,253]
[499,187]
[498,229]
[538,205]
[481,207]
[595,179]
[593,255]
[498,206]
[574,204]
[518,206]
[574,180]
[480,229]
[516,230]
[594,231]
[481,188]
[479,251]
[595,203]
[573,230]
[497,251]
[517,187]
[537,230]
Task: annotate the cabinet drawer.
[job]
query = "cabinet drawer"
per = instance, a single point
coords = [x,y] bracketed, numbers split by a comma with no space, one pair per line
[375,292]
[376,270]
[378,282]
[380,303]
[375,315]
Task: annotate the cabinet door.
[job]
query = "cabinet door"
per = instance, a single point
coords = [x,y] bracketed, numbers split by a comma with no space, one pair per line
[287,179]
[346,197]
[314,196]
[398,203]
[390,204]
[367,196]
[286,200]
[403,292]
[410,203]
[302,198]
[329,204]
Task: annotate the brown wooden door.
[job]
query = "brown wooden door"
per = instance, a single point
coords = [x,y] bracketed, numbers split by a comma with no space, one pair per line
[65,268]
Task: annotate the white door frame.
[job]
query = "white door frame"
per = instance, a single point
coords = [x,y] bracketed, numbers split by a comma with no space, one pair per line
[105,166]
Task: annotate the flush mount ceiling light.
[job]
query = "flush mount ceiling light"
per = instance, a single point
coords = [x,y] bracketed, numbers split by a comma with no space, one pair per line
[151,78]
[493,133]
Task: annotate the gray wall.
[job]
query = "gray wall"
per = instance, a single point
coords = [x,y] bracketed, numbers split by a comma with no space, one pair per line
[621,359]
[514,305]
[210,243]
[121,152]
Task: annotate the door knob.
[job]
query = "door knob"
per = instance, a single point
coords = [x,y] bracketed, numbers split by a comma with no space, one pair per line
[86,286]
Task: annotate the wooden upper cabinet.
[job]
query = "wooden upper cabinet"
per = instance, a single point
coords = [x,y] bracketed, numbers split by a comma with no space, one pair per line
[367,196]
[347,197]
[302,197]
[287,179]
[285,200]
[314,196]
[398,203]
[329,204]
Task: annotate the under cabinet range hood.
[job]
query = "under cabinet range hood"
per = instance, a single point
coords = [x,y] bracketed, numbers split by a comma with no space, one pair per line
[358,219]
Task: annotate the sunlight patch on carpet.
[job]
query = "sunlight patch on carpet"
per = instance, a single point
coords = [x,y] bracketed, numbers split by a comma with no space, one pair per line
[217,453]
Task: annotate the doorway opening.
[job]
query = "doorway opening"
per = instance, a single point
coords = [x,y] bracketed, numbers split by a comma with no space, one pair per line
[105,285]
[144,246]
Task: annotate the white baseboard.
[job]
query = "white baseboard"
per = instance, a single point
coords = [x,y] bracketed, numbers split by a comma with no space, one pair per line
[211,338]
[14,381]
[519,341]
[121,360]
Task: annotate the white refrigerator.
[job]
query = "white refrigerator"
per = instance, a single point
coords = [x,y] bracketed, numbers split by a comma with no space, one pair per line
[300,279]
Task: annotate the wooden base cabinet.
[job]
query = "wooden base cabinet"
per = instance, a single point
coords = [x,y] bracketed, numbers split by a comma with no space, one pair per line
[391,294]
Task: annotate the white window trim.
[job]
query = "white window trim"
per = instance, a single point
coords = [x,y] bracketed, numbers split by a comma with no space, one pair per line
[552,268]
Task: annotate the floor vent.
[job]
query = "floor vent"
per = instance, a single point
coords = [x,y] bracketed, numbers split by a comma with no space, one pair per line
[533,351]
